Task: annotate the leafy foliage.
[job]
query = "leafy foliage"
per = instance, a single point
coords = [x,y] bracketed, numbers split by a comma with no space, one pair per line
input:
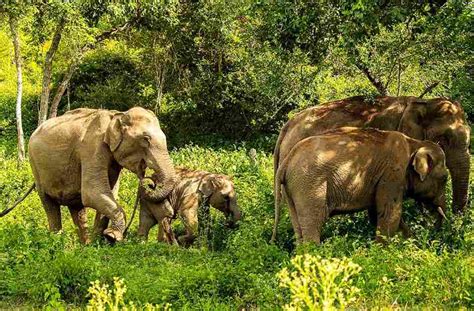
[214,70]
[104,299]
[319,284]
[41,268]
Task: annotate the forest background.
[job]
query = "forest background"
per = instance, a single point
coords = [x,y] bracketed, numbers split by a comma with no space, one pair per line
[222,77]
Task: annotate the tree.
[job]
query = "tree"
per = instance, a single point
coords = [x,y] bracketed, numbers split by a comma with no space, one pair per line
[13,13]
[13,21]
[47,71]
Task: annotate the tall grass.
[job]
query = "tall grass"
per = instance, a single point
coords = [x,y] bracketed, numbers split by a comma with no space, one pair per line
[39,268]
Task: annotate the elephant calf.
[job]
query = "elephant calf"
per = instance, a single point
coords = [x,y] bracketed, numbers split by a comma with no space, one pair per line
[351,169]
[192,189]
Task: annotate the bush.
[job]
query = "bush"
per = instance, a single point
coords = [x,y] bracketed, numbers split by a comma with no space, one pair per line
[239,271]
[104,299]
[319,284]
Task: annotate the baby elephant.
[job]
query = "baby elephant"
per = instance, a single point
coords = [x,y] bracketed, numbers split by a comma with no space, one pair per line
[351,169]
[193,189]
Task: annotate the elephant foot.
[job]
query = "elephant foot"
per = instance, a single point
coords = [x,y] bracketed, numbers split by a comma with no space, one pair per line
[186,240]
[113,235]
[85,240]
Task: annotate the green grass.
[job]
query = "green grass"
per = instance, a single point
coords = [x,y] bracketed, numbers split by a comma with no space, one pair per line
[39,268]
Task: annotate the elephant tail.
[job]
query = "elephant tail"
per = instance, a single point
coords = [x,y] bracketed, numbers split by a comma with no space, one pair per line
[8,210]
[277,193]
[276,151]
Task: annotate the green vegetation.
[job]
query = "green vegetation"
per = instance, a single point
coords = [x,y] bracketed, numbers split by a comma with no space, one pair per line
[40,268]
[223,76]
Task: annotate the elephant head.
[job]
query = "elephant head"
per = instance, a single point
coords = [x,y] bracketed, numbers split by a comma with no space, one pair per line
[427,178]
[220,193]
[137,142]
[443,121]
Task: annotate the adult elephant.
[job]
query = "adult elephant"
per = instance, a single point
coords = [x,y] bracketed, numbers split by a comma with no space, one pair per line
[439,120]
[77,158]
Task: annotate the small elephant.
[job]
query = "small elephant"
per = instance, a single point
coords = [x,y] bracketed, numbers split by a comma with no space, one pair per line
[194,188]
[351,169]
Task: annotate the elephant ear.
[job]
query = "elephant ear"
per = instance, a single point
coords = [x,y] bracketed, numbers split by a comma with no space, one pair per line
[411,123]
[207,186]
[114,133]
[423,162]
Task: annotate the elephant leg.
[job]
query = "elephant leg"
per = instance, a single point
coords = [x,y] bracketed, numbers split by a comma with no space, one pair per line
[312,214]
[190,220]
[101,222]
[53,211]
[389,199]
[165,232]
[96,193]
[312,223]
[404,229]
[146,222]
[79,217]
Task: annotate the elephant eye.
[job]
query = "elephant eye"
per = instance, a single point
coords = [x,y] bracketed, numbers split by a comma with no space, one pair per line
[146,140]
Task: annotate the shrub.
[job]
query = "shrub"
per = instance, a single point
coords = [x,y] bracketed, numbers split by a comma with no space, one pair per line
[104,299]
[319,284]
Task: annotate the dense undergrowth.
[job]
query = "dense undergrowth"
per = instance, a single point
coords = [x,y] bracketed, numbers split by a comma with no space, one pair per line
[40,269]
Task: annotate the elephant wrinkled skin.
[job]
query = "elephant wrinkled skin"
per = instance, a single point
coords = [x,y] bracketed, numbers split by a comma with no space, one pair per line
[194,187]
[77,158]
[439,120]
[351,169]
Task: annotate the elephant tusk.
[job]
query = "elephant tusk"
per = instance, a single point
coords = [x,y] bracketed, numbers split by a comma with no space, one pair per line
[441,212]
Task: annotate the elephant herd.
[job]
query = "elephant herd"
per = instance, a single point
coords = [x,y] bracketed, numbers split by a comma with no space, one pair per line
[335,158]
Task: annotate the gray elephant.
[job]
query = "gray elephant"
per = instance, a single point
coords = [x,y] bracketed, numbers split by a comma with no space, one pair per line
[439,120]
[351,169]
[194,188]
[77,158]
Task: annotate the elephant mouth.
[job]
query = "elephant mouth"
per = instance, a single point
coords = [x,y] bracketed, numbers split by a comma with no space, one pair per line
[141,169]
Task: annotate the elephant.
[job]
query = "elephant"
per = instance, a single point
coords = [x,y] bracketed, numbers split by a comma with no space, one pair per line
[194,188]
[76,160]
[351,169]
[439,120]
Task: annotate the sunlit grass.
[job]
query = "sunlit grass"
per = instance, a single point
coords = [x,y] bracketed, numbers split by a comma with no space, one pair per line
[40,268]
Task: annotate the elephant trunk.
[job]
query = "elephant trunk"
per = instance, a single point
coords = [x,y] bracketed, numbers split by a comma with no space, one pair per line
[165,178]
[235,214]
[459,165]
[439,209]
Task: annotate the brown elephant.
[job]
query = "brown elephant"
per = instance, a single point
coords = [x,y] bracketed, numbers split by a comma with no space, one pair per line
[351,169]
[77,158]
[194,188]
[439,120]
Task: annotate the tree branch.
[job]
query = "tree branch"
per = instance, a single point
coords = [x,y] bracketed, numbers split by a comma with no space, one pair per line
[47,71]
[374,80]
[61,89]
[73,65]
[429,89]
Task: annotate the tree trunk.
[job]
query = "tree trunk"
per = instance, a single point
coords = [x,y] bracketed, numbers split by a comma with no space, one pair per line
[19,91]
[160,72]
[399,80]
[47,71]
[373,79]
[70,71]
[60,91]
